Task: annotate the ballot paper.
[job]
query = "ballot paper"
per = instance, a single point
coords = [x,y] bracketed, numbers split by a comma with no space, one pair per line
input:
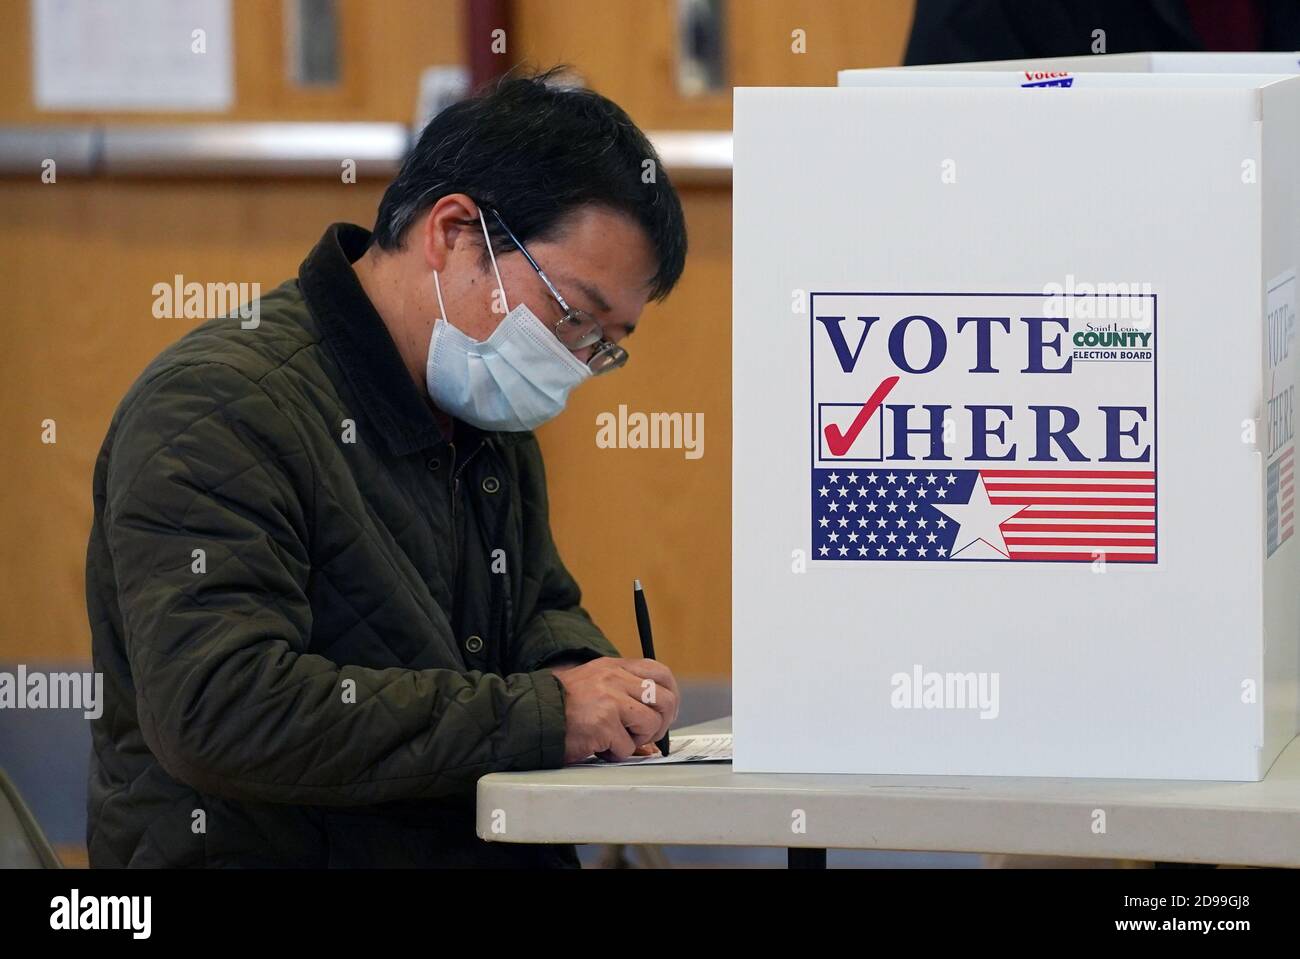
[703,748]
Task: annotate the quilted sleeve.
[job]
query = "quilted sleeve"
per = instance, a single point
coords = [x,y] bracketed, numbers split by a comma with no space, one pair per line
[208,521]
[554,628]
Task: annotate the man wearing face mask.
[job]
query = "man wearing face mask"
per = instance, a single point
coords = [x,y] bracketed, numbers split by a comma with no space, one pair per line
[322,585]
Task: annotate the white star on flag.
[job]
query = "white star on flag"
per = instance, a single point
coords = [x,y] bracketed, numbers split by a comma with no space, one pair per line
[979,534]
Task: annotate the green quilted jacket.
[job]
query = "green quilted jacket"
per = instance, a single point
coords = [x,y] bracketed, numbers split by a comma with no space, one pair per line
[319,621]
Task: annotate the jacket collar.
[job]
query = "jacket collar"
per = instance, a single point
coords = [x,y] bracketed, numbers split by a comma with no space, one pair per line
[356,335]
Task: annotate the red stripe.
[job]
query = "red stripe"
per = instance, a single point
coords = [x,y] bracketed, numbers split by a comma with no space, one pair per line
[1074,528]
[1290,452]
[1083,514]
[1116,558]
[1073,487]
[1085,474]
[1286,518]
[1074,541]
[1070,501]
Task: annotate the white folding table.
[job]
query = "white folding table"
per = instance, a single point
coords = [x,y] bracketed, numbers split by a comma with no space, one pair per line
[709,804]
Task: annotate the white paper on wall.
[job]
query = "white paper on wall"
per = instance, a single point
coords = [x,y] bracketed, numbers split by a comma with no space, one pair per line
[132,55]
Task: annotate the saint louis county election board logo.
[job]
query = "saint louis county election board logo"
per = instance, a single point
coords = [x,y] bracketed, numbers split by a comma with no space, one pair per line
[1013,427]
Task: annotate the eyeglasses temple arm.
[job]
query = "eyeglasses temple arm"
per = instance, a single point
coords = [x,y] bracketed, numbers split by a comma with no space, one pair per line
[529,257]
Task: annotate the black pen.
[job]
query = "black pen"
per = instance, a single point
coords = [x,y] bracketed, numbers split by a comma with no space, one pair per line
[647,640]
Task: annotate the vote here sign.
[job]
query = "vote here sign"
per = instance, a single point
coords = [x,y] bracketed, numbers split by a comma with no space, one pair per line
[1011,427]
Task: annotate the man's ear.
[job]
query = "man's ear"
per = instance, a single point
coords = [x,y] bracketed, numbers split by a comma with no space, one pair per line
[443,227]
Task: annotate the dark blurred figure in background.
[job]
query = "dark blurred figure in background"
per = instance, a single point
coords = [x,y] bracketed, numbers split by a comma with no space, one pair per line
[957,31]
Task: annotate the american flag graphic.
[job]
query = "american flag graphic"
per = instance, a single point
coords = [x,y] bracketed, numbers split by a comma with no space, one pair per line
[1029,515]
[1280,499]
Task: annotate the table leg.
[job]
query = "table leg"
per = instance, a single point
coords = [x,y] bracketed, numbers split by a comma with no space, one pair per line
[805,858]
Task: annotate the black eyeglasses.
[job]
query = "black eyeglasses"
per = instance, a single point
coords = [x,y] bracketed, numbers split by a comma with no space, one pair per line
[577,329]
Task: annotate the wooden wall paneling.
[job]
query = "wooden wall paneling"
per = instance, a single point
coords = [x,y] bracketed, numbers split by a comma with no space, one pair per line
[81,257]
[78,261]
[840,34]
[653,514]
[384,46]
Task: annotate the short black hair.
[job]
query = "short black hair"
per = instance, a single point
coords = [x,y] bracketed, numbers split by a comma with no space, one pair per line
[537,151]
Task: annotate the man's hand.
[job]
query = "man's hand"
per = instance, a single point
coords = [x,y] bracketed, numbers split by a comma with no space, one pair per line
[615,707]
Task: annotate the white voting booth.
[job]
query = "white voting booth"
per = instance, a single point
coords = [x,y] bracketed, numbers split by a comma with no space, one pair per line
[1014,374]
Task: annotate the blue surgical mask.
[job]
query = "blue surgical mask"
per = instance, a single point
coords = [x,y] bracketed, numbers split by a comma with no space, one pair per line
[516,379]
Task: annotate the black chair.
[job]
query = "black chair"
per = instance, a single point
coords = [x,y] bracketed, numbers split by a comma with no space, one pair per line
[22,844]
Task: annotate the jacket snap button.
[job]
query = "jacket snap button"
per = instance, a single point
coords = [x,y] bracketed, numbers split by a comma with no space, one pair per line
[433,465]
[491,484]
[474,644]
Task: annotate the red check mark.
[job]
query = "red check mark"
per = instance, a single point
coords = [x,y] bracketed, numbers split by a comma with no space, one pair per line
[838,442]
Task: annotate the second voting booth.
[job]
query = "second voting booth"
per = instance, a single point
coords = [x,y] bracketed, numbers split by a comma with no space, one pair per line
[1014,398]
